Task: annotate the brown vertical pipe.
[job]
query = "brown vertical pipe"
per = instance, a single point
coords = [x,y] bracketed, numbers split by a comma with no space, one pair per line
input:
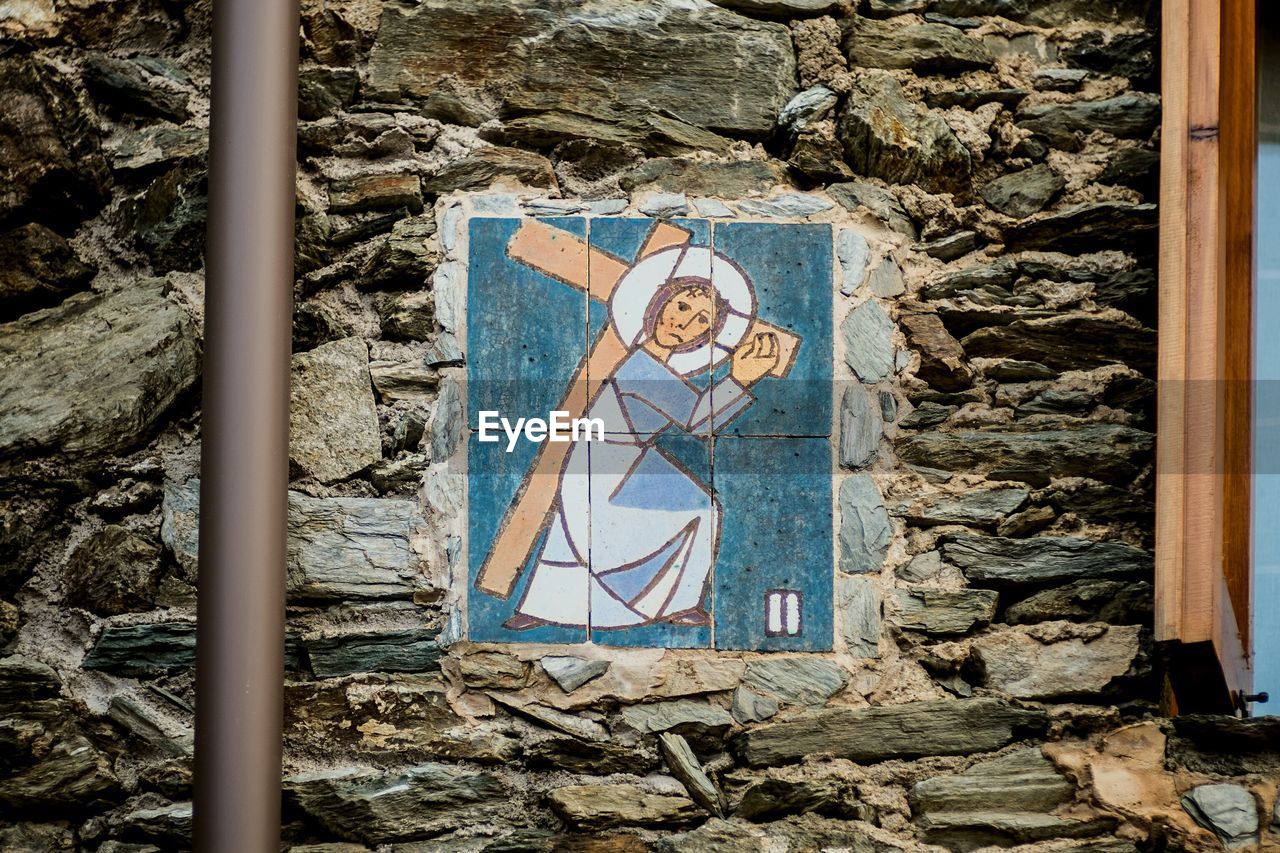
[245,431]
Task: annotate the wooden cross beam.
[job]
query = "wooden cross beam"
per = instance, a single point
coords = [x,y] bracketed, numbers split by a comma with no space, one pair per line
[566,257]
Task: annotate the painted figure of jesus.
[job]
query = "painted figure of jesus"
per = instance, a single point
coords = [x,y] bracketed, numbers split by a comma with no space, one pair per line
[630,536]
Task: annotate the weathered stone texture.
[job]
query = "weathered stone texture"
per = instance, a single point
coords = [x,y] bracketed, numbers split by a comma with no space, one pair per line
[1043,559]
[333,425]
[708,67]
[55,396]
[1027,668]
[944,727]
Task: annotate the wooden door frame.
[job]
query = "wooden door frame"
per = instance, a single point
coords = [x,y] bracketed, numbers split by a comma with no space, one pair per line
[1203,485]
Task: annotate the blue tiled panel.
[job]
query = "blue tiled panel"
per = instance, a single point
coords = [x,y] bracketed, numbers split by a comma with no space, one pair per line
[526,332]
[790,267]
[775,535]
[493,479]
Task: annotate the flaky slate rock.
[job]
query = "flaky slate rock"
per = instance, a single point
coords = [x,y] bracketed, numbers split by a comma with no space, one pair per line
[999,828]
[860,427]
[595,807]
[70,774]
[888,136]
[1107,452]
[148,648]
[51,163]
[55,396]
[944,612]
[1021,781]
[124,86]
[868,339]
[1228,811]
[114,571]
[1020,194]
[691,717]
[781,9]
[859,605]
[1024,667]
[333,421]
[1115,602]
[704,65]
[363,804]
[729,179]
[865,529]
[338,548]
[1070,342]
[571,672]
[1088,227]
[942,358]
[796,680]
[402,650]
[770,799]
[751,707]
[38,268]
[882,204]
[657,134]
[1059,124]
[998,561]
[684,765]
[926,48]
[978,507]
[25,678]
[491,165]
[908,730]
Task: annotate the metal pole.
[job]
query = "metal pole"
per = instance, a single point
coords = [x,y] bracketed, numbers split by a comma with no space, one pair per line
[245,432]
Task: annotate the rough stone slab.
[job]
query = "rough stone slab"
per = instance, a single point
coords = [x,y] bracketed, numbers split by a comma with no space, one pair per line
[1026,668]
[977,507]
[148,648]
[943,612]
[1088,227]
[922,567]
[704,65]
[55,396]
[974,830]
[770,799]
[114,571]
[383,718]
[1000,561]
[594,807]
[813,104]
[405,650]
[858,602]
[1106,452]
[927,48]
[865,530]
[379,191]
[1228,811]
[339,548]
[796,681]
[38,268]
[588,731]
[1021,781]
[782,9]
[888,136]
[665,205]
[910,730]
[949,247]
[860,428]
[886,279]
[787,205]
[333,421]
[730,179]
[853,252]
[751,707]
[1020,194]
[942,358]
[1114,602]
[684,766]
[409,380]
[363,804]
[1058,124]
[656,134]
[868,338]
[1072,342]
[682,715]
[572,672]
[492,165]
[24,678]
[70,775]
[54,170]
[881,203]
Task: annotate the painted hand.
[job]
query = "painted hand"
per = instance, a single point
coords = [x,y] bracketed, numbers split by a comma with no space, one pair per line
[754,358]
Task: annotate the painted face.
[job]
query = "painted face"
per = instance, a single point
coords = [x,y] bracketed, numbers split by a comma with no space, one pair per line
[687,317]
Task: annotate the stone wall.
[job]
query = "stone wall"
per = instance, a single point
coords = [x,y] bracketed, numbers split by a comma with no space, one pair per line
[990,168]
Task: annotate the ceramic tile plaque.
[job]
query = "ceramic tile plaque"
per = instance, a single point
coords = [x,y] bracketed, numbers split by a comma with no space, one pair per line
[649,459]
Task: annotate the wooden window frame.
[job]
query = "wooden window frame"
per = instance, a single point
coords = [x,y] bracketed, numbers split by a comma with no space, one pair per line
[1204,435]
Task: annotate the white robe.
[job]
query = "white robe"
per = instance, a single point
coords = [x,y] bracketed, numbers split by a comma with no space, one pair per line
[634,534]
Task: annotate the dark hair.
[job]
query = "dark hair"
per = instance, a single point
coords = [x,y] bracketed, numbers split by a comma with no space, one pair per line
[675,287]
